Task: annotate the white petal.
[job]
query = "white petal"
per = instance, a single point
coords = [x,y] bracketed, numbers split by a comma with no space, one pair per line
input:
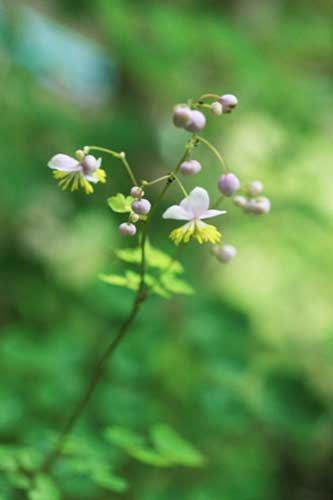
[196,203]
[212,213]
[64,162]
[91,178]
[176,212]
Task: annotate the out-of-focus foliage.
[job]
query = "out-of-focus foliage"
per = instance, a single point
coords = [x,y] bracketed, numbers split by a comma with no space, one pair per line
[243,369]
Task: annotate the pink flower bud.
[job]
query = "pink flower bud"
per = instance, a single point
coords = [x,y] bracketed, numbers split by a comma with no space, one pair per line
[127,229]
[141,207]
[136,192]
[229,102]
[225,253]
[228,184]
[263,206]
[181,116]
[191,167]
[197,121]
[240,201]
[256,188]
[216,108]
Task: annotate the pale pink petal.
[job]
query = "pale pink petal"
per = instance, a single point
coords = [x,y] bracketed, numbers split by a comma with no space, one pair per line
[212,213]
[64,163]
[176,212]
[196,203]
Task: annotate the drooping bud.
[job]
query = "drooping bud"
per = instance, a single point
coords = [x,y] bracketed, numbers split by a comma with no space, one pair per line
[225,253]
[228,184]
[263,205]
[79,153]
[181,115]
[127,229]
[141,207]
[216,108]
[197,121]
[240,201]
[229,102]
[190,167]
[90,164]
[256,188]
[137,192]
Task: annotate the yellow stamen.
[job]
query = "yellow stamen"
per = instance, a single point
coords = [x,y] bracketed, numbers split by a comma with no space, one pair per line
[203,233]
[101,175]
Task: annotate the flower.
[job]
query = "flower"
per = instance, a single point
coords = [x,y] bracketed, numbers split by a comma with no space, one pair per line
[70,171]
[194,208]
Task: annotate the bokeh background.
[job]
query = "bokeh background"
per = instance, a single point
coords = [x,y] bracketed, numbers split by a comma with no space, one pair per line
[242,369]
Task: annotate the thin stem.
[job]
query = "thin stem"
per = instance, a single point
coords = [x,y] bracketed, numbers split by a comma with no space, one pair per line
[209,96]
[218,201]
[120,156]
[214,151]
[180,184]
[155,181]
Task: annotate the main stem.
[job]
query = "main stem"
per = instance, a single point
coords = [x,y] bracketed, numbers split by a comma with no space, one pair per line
[101,365]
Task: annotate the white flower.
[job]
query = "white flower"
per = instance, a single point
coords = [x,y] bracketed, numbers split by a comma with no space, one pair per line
[82,173]
[194,208]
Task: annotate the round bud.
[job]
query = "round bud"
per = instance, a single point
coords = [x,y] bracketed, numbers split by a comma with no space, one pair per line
[141,207]
[136,192]
[263,206]
[134,217]
[228,184]
[197,121]
[191,167]
[181,116]
[90,164]
[225,253]
[240,201]
[127,229]
[216,108]
[229,102]
[79,153]
[256,188]
[250,206]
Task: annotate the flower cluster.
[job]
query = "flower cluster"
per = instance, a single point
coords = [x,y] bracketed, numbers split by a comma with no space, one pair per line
[84,171]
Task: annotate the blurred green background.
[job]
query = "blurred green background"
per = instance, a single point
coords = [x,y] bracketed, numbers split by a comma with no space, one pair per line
[243,369]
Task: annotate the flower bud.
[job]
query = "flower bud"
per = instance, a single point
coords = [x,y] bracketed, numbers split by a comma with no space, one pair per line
[134,217]
[197,121]
[256,188]
[190,167]
[127,229]
[225,253]
[141,207]
[263,205]
[181,116]
[228,184]
[90,164]
[79,153]
[216,108]
[250,206]
[240,201]
[136,192]
[229,102]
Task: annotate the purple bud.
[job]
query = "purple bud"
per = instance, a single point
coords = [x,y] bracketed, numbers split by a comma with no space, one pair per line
[90,164]
[181,116]
[216,108]
[197,121]
[229,102]
[136,192]
[191,167]
[256,188]
[263,206]
[240,201]
[228,184]
[127,229]
[225,252]
[141,207]
[250,206]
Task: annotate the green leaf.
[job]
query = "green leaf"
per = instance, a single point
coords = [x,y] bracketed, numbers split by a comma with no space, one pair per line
[120,203]
[106,479]
[174,448]
[176,285]
[154,258]
[44,489]
[19,480]
[7,461]
[149,456]
[123,437]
